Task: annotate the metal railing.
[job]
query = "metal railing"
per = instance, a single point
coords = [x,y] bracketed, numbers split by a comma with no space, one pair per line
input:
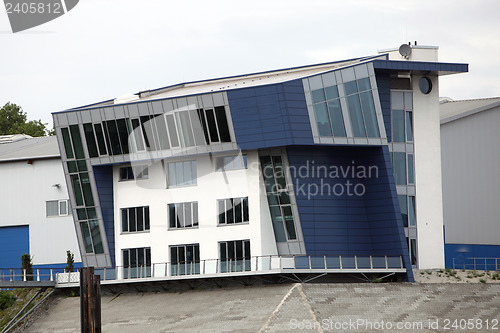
[39,274]
[277,264]
[482,264]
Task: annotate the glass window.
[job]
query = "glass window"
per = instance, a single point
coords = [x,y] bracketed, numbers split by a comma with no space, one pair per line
[318,95]
[199,137]
[136,263]
[411,210]
[77,141]
[77,189]
[162,131]
[147,131]
[136,129]
[336,118]
[183,215]
[234,256]
[52,208]
[231,162]
[133,172]
[409,126]
[234,210]
[89,137]
[182,173]
[212,127]
[413,251]
[100,139]
[185,259]
[398,126]
[289,224]
[123,134]
[220,113]
[331,92]
[322,119]
[411,174]
[67,143]
[86,189]
[63,207]
[87,240]
[364,84]
[369,114]
[350,87]
[404,209]
[114,140]
[201,116]
[187,134]
[356,116]
[135,219]
[172,130]
[399,160]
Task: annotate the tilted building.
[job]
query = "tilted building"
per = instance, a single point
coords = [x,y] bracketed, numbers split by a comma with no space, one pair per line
[327,160]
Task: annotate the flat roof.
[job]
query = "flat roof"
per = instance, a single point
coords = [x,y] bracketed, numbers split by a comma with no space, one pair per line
[450,110]
[29,148]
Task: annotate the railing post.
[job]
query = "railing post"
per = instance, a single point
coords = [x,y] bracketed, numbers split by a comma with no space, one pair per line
[386,263]
[24,275]
[340,261]
[153,270]
[38,275]
[51,275]
[310,266]
[256,263]
[204,264]
[401,262]
[11,275]
[324,261]
[356,262]
[371,262]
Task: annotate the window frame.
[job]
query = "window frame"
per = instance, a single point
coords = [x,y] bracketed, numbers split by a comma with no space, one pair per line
[242,201]
[220,164]
[144,173]
[193,208]
[59,205]
[146,219]
[193,181]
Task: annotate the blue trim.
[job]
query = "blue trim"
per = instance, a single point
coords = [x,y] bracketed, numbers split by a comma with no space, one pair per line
[462,252]
[104,182]
[440,67]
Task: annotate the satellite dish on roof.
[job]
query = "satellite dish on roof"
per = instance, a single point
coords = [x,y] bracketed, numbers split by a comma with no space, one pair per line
[405,50]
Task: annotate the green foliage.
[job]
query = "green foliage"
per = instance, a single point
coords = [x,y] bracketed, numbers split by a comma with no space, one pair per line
[27,265]
[70,260]
[13,120]
[6,300]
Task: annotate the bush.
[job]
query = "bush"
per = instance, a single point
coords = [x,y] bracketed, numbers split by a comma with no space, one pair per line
[6,300]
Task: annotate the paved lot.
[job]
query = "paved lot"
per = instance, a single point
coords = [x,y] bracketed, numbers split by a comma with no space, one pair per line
[292,308]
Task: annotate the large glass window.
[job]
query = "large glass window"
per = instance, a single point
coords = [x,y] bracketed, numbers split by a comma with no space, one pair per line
[92,236]
[234,210]
[278,198]
[135,219]
[328,111]
[136,263]
[361,108]
[214,124]
[185,259]
[183,215]
[235,256]
[399,165]
[182,173]
[403,204]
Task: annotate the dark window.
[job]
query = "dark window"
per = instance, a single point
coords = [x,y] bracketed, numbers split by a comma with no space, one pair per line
[134,172]
[67,143]
[321,112]
[183,215]
[336,117]
[399,162]
[235,256]
[198,132]
[147,130]
[411,174]
[201,116]
[77,141]
[212,127]
[411,210]
[114,139]
[136,129]
[398,126]
[89,137]
[369,114]
[162,131]
[185,259]
[220,113]
[234,210]
[136,263]
[409,126]
[356,115]
[135,219]
[403,205]
[123,133]
[100,139]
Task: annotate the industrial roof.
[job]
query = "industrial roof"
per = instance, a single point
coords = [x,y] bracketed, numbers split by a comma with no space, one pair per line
[452,110]
[28,148]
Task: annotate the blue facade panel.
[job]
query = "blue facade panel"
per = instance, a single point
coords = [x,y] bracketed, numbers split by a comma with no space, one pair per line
[14,241]
[347,201]
[104,182]
[270,116]
[461,256]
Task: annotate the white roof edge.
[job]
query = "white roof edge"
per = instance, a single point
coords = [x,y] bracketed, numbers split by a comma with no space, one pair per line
[427,47]
[469,112]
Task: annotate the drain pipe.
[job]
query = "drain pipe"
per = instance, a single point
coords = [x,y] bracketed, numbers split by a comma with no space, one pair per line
[9,326]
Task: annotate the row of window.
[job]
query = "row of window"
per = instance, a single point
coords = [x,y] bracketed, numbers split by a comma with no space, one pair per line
[183,173]
[185,259]
[360,107]
[185,215]
[157,132]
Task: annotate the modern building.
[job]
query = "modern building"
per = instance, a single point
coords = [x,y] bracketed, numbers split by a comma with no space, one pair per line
[334,159]
[36,215]
[471,183]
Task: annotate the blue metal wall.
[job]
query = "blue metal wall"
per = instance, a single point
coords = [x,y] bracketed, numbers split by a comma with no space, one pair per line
[463,254]
[104,181]
[270,116]
[368,224]
[14,241]
[384,92]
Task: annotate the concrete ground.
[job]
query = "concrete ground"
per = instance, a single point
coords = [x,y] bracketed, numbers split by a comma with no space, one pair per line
[418,307]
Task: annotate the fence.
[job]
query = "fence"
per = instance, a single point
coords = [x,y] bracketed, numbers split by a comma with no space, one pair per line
[483,264]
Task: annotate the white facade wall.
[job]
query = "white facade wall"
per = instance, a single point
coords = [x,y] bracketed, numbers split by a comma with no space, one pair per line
[25,190]
[211,185]
[429,200]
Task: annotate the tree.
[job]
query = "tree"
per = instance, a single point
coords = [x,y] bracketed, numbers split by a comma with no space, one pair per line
[27,264]
[70,260]
[13,120]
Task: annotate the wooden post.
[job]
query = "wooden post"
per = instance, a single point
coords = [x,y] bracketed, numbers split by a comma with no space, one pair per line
[90,301]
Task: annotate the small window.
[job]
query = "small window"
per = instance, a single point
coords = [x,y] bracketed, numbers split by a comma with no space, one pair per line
[185,259]
[234,256]
[134,172]
[182,174]
[231,162]
[136,263]
[234,210]
[135,219]
[183,215]
[57,208]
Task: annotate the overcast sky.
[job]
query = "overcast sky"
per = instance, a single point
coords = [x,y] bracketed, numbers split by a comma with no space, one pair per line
[104,49]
